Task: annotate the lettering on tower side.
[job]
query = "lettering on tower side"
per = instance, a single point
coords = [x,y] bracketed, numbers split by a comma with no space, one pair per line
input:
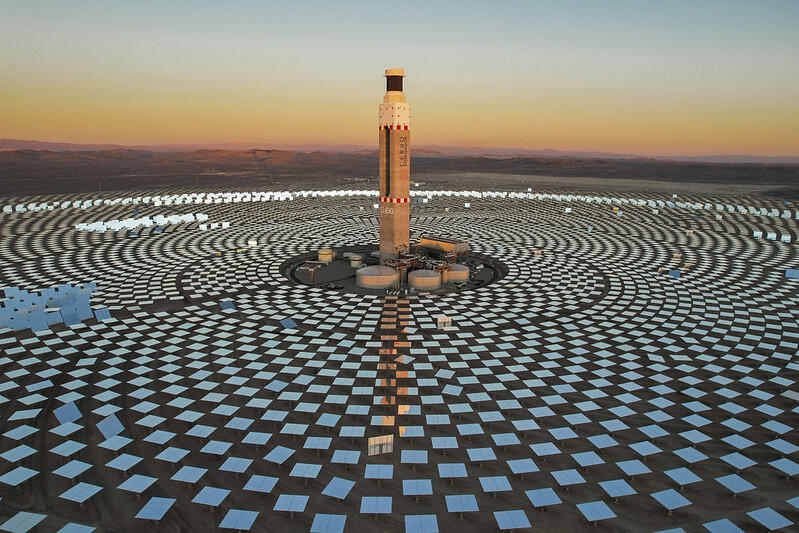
[403,150]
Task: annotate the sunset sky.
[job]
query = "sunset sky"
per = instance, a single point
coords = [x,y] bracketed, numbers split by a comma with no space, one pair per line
[665,78]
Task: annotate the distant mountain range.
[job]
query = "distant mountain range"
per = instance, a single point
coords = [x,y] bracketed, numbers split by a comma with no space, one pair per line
[429,150]
[69,170]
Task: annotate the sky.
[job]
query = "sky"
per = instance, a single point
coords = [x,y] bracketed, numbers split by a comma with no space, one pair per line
[661,78]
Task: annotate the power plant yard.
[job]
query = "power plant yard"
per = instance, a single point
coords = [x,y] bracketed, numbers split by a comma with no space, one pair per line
[340,274]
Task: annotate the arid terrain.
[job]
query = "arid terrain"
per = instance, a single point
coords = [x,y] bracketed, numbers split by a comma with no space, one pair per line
[44,172]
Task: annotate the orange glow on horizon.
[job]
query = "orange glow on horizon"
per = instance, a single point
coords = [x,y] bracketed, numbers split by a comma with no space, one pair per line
[660,78]
[553,119]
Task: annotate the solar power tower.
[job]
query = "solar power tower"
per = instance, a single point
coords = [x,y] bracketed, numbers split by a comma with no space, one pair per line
[395,167]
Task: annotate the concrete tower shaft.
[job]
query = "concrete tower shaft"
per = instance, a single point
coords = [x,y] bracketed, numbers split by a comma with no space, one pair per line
[395,167]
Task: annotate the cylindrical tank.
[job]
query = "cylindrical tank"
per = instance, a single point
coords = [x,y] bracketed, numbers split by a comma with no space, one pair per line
[326,255]
[356,261]
[456,274]
[424,279]
[376,277]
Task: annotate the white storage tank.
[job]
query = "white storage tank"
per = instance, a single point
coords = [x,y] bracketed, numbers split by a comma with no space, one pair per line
[424,279]
[356,261]
[457,274]
[376,277]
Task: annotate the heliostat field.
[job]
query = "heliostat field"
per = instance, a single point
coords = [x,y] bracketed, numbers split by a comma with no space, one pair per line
[634,369]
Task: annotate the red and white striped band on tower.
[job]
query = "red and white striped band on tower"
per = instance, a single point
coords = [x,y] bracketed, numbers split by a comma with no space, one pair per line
[386,199]
[393,127]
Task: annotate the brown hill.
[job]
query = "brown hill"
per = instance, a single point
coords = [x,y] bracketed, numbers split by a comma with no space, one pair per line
[36,171]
